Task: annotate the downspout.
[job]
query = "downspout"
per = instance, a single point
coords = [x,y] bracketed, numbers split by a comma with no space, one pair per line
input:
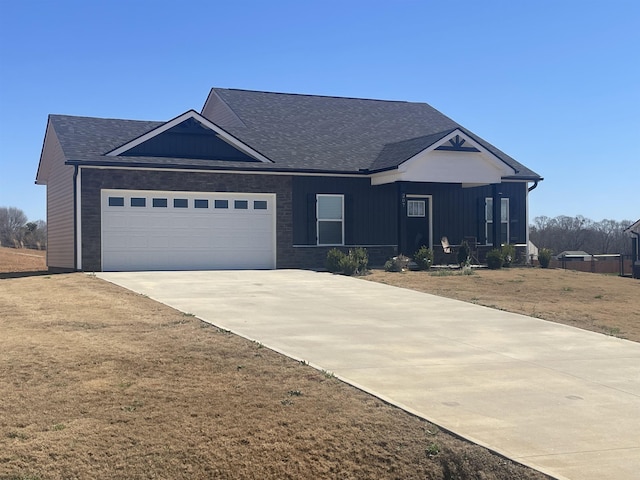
[75,217]
[526,248]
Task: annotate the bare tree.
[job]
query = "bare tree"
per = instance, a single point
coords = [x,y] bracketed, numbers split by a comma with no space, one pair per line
[579,233]
[12,222]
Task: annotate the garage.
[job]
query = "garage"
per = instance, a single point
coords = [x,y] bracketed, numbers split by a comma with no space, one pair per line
[162,230]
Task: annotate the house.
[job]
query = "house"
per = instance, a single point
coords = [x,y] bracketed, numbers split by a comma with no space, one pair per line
[271,180]
[633,231]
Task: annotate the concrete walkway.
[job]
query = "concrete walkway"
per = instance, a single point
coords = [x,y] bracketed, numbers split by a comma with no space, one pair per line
[560,399]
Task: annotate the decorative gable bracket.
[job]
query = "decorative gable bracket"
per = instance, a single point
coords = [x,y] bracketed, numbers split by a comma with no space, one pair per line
[456,145]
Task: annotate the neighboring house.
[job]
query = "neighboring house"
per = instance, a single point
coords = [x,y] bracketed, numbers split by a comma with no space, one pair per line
[633,231]
[574,255]
[271,180]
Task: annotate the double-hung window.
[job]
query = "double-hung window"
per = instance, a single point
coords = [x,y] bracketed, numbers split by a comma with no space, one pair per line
[504,220]
[330,219]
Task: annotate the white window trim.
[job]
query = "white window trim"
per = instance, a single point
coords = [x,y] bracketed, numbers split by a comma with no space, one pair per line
[318,220]
[489,223]
[417,201]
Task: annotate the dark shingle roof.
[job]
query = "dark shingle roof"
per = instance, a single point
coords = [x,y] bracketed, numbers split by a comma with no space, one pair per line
[297,132]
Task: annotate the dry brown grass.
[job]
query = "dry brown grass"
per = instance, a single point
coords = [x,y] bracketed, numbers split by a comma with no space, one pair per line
[601,303]
[99,382]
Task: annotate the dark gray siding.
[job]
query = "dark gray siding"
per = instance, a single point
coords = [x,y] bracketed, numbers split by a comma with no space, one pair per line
[371,212]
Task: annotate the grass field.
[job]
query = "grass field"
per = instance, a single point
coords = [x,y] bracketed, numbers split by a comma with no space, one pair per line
[99,382]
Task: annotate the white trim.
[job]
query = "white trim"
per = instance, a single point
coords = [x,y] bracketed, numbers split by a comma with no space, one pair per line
[318,220]
[467,139]
[416,202]
[430,198]
[79,219]
[526,230]
[222,134]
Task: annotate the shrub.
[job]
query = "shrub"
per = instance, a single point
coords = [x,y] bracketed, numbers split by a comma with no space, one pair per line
[508,255]
[348,265]
[463,253]
[356,262]
[423,258]
[396,264]
[333,260]
[544,257]
[495,259]
[361,258]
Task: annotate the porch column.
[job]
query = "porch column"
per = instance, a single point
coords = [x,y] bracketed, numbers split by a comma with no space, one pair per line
[497,217]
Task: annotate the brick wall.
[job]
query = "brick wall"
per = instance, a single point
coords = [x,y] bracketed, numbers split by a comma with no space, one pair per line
[288,256]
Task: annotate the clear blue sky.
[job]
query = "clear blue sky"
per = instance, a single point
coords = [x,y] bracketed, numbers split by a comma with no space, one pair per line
[554,83]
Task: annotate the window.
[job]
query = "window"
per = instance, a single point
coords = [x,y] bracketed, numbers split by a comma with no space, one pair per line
[259,204]
[201,204]
[159,202]
[138,202]
[504,220]
[415,208]
[241,204]
[330,214]
[221,204]
[180,203]
[116,201]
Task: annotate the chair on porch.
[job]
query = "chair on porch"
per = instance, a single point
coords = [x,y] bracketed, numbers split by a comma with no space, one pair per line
[446,248]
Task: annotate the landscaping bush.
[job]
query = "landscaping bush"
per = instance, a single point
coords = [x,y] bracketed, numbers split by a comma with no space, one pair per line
[356,262]
[423,258]
[333,260]
[463,253]
[396,264]
[544,257]
[348,265]
[508,255]
[495,259]
[361,258]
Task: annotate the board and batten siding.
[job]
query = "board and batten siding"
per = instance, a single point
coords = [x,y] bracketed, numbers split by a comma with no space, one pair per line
[370,212]
[60,206]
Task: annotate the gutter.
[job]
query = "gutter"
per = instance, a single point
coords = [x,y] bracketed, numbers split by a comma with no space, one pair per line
[533,187]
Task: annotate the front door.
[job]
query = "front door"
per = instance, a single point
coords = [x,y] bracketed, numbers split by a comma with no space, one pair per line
[417,231]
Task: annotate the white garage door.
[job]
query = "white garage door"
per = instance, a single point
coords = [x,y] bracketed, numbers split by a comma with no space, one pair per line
[157,230]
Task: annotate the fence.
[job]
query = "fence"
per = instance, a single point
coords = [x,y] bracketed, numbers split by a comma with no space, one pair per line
[614,263]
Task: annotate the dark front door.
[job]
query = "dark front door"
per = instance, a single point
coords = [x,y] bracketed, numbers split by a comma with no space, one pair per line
[417,225]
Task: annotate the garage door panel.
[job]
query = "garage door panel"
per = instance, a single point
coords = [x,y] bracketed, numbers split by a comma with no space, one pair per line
[168,238]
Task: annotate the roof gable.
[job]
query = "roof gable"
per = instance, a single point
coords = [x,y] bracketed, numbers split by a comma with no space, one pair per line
[189,135]
[453,157]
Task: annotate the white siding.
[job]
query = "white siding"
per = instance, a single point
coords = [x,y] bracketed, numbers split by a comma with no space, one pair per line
[59,183]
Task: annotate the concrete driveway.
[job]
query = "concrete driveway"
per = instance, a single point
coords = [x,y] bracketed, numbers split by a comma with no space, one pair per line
[560,399]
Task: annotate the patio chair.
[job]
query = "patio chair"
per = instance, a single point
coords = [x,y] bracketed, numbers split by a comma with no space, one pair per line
[446,248]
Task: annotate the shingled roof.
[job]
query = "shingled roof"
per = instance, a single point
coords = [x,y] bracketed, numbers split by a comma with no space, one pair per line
[304,133]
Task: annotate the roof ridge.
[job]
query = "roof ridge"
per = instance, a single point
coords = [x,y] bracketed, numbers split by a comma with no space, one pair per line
[62,115]
[320,96]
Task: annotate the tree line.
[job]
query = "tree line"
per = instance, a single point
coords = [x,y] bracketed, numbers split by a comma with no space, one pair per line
[579,233]
[16,231]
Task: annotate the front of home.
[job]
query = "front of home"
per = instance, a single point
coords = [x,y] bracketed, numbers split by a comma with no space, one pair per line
[269,180]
